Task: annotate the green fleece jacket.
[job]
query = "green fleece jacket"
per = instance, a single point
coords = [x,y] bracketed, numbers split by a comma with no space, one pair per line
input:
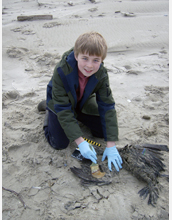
[97,98]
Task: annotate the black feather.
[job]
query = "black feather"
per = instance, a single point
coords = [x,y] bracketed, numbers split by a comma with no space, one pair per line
[146,163]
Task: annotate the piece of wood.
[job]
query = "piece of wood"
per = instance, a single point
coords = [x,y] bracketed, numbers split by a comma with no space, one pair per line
[34,17]
[17,194]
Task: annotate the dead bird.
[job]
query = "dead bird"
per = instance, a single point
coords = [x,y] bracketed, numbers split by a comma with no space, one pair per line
[84,173]
[145,162]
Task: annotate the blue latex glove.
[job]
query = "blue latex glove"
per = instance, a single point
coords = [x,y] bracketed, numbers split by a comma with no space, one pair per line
[88,151]
[113,157]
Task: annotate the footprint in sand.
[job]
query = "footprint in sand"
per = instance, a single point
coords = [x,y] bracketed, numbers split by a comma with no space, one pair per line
[28,32]
[25,32]
[15,52]
[51,25]
[15,151]
[92,9]
[133,72]
[9,97]
[17,29]
[157,90]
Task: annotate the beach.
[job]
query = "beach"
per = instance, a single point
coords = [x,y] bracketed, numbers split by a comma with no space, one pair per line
[42,186]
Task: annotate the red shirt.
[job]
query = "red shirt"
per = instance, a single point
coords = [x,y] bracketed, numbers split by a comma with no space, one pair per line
[82,84]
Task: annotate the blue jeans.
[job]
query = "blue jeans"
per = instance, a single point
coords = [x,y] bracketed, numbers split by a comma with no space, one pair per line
[56,137]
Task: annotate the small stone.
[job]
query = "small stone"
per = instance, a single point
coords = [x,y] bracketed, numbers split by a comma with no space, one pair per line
[146,117]
[70,3]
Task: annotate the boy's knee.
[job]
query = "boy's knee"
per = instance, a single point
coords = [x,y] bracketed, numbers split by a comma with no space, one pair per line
[58,142]
[58,146]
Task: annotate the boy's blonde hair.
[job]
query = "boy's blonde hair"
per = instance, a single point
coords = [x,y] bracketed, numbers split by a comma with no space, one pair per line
[92,43]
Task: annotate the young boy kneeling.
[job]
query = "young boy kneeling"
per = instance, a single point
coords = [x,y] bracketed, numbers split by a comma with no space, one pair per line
[79,91]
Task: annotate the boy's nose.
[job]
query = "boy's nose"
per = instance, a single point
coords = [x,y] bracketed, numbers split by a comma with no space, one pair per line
[89,64]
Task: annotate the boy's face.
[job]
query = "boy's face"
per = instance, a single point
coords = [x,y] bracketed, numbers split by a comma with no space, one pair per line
[87,64]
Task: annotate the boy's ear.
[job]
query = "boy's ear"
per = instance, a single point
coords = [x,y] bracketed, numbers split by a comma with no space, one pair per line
[76,58]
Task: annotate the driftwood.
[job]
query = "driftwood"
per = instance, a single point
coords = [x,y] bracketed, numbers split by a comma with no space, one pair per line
[34,17]
[17,194]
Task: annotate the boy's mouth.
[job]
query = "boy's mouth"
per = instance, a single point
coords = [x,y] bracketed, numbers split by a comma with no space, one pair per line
[88,71]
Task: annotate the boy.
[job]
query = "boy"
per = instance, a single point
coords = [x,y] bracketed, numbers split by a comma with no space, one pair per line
[79,91]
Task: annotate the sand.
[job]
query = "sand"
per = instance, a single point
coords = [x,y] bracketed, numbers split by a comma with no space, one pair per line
[138,62]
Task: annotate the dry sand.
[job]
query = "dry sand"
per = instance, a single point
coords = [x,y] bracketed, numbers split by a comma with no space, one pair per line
[138,64]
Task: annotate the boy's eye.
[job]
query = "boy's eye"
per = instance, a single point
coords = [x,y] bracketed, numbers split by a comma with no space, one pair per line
[85,58]
[96,60]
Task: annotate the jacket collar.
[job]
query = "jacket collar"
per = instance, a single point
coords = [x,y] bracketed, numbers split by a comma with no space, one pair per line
[71,82]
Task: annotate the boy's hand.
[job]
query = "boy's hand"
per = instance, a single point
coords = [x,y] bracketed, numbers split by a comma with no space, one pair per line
[87,152]
[113,157]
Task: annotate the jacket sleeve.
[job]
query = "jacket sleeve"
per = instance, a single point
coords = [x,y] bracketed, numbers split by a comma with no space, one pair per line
[106,107]
[63,109]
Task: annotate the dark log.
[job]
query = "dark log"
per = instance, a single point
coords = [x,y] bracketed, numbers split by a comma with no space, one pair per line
[34,17]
